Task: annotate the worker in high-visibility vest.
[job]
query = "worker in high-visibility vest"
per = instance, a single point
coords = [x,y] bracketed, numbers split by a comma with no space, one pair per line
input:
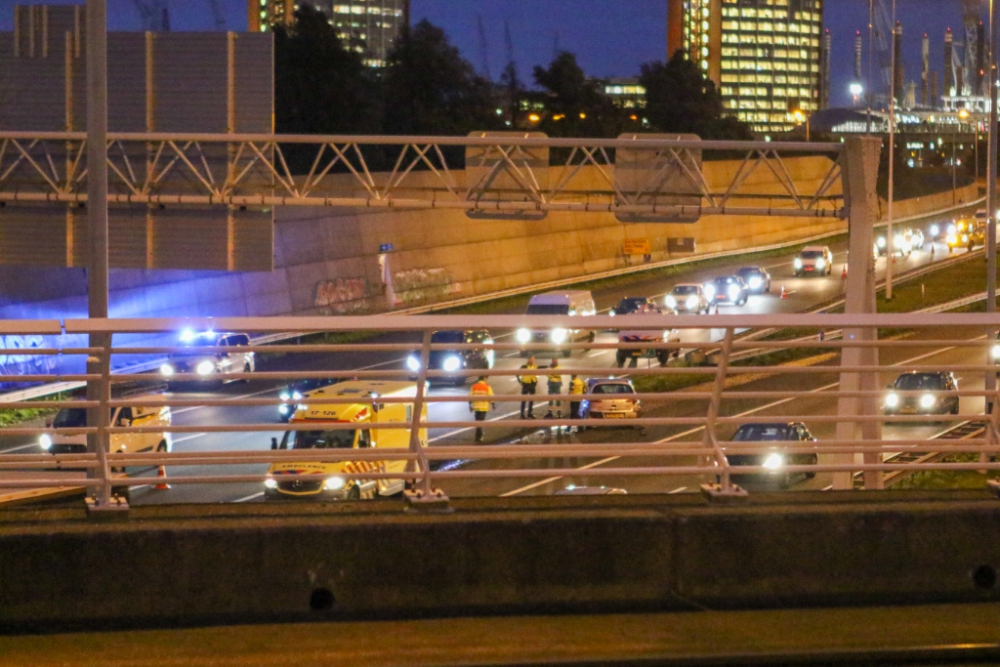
[480,403]
[576,386]
[529,383]
[555,387]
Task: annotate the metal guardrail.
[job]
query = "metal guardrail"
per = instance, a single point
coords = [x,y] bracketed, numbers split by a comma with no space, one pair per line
[50,389]
[694,445]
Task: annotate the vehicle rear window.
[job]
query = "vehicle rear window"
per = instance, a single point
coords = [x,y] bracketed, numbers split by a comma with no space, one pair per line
[547,309]
[448,337]
[915,381]
[70,418]
[612,388]
[762,432]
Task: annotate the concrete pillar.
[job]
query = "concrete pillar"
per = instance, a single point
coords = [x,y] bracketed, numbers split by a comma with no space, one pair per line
[860,169]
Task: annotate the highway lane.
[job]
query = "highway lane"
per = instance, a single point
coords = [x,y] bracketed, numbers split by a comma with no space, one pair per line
[808,397]
[802,293]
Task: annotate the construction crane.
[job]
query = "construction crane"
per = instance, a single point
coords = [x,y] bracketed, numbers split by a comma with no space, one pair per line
[154,15]
[217,15]
[484,48]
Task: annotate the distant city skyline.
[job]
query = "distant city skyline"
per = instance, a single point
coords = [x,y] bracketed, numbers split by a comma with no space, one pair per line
[611,38]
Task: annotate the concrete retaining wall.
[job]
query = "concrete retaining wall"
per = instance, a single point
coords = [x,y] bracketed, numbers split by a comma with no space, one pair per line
[910,207]
[247,563]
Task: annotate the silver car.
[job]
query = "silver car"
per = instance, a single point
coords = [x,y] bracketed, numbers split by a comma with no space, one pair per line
[688,298]
[210,364]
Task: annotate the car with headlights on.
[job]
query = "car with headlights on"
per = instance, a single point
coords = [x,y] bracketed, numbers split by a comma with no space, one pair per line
[922,393]
[565,303]
[902,245]
[813,260]
[757,279]
[452,360]
[208,364]
[775,462]
[634,304]
[617,400]
[915,237]
[966,232]
[687,298]
[296,391]
[727,289]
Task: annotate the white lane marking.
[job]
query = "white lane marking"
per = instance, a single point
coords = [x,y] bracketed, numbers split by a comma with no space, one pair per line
[535,485]
[187,437]
[268,391]
[250,497]
[463,430]
[677,490]
[17,449]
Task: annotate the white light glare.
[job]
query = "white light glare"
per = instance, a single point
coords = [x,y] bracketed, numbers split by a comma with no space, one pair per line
[774,461]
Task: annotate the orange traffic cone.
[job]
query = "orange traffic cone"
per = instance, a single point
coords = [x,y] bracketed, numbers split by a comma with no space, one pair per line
[784,295]
[843,274]
[161,473]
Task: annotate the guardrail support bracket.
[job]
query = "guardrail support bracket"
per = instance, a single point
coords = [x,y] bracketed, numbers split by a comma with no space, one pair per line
[116,510]
[436,501]
[716,493]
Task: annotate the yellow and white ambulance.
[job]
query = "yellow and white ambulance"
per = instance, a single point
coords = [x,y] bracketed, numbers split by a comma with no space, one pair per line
[378,425]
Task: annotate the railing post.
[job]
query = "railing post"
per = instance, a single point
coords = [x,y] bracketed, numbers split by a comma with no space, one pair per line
[100,417]
[425,495]
[725,488]
[860,168]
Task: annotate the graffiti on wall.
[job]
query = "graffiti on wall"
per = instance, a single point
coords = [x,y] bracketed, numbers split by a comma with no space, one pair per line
[423,285]
[341,296]
[13,361]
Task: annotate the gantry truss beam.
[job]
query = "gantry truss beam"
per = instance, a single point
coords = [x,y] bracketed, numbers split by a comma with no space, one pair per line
[478,173]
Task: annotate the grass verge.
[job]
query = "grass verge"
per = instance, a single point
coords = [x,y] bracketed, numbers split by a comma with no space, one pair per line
[947,479]
[15,416]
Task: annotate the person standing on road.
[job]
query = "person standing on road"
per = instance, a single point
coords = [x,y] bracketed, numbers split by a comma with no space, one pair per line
[529,383]
[576,386]
[555,388]
[480,403]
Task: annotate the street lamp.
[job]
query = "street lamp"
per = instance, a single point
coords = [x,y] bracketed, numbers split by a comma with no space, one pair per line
[801,117]
[856,90]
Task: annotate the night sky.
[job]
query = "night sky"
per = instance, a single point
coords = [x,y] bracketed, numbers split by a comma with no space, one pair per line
[609,37]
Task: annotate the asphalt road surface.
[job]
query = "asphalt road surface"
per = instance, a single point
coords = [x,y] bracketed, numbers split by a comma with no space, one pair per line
[809,400]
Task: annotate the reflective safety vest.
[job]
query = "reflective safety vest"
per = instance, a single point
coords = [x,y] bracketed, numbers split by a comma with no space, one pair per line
[528,379]
[555,378]
[576,386]
[484,390]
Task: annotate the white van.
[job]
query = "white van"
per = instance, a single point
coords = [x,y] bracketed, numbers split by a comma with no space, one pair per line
[572,303]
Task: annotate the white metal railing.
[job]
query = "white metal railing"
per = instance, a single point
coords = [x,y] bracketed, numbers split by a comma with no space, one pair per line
[691,419]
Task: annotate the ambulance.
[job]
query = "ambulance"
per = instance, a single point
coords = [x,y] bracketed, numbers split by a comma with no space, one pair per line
[371,416]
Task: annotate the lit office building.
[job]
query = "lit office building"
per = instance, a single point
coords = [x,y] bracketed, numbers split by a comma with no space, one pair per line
[262,14]
[369,27]
[763,55]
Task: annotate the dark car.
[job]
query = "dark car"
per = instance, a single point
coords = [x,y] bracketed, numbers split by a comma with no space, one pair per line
[774,461]
[456,360]
[634,304]
[922,393]
[756,278]
[296,391]
[727,289]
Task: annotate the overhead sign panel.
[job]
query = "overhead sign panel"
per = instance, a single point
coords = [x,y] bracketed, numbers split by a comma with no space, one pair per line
[509,176]
[667,178]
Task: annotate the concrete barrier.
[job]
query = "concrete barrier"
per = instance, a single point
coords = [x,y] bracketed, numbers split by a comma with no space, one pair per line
[249,563]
